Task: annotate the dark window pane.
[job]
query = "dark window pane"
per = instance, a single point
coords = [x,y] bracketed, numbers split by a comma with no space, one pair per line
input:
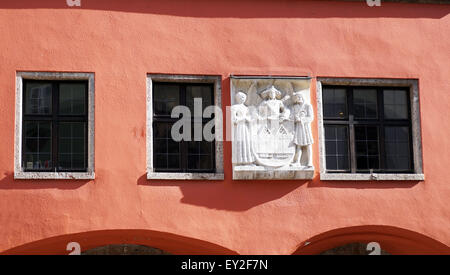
[72,146]
[193,147]
[64,160]
[78,145]
[45,145]
[31,145]
[336,147]
[166,152]
[332,163]
[37,162]
[361,147]
[342,148]
[165,98]
[193,162]
[397,148]
[161,130]
[330,147]
[200,92]
[365,103]
[367,148]
[374,162]
[31,129]
[343,162]
[38,98]
[361,163]
[334,103]
[160,161]
[160,146]
[72,129]
[172,146]
[392,150]
[205,162]
[200,153]
[45,129]
[360,133]
[69,134]
[372,148]
[38,145]
[330,134]
[174,161]
[72,98]
[78,161]
[395,104]
[65,145]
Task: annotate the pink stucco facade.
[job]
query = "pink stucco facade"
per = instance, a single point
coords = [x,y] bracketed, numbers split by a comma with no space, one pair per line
[123,41]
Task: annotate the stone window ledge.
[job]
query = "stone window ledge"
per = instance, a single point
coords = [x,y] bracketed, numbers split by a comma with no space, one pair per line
[55,175]
[185,176]
[371,177]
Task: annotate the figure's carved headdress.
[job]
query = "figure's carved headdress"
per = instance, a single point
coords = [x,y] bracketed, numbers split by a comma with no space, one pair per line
[265,92]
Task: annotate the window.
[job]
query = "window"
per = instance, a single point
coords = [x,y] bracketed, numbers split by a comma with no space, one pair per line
[369,131]
[183,156]
[56,122]
[185,159]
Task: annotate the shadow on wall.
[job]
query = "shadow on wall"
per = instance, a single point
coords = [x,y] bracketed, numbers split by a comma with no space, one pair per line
[245,9]
[226,195]
[244,195]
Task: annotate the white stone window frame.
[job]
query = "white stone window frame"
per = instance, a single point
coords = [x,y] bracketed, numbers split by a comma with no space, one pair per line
[413,85]
[217,82]
[19,172]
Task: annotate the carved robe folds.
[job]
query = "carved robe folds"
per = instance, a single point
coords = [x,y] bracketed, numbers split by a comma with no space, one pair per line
[269,127]
[242,151]
[303,116]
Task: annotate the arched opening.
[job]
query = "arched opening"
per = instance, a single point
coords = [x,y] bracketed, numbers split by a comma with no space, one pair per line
[391,240]
[121,241]
[125,249]
[356,249]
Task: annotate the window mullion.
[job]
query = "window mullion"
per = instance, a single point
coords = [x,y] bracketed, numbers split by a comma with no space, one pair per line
[55,125]
[184,144]
[351,130]
[381,132]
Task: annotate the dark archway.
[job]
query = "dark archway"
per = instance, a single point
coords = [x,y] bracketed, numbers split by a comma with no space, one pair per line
[125,239]
[392,240]
[354,249]
[125,249]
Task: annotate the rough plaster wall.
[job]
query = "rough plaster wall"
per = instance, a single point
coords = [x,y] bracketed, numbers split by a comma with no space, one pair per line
[122,41]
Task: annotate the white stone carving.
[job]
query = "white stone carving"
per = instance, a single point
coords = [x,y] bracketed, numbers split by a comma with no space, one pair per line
[242,148]
[303,116]
[271,128]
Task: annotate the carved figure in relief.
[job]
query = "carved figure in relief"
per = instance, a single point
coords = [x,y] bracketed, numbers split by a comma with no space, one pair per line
[242,143]
[303,116]
[272,108]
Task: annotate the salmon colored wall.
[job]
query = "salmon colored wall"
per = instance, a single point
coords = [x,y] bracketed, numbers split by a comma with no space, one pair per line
[122,41]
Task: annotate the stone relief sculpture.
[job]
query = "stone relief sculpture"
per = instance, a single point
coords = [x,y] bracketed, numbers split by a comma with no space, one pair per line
[272,108]
[240,116]
[271,131]
[303,116]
